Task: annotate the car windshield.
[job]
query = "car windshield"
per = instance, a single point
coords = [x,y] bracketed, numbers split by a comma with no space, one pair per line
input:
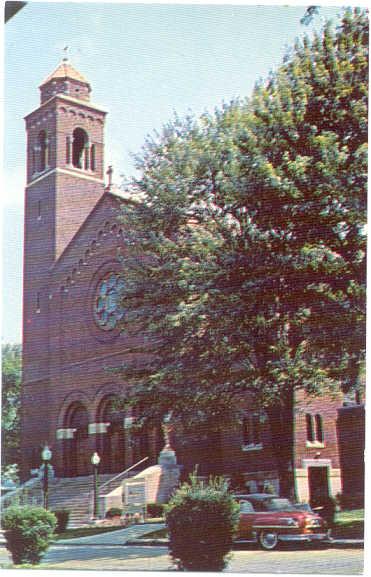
[278,505]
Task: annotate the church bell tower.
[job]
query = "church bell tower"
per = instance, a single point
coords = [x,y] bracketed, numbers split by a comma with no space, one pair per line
[64,183]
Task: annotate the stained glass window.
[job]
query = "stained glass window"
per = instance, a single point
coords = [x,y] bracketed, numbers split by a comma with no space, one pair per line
[108,310]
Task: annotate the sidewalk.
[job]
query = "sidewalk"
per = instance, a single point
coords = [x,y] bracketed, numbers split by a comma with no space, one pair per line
[119,537]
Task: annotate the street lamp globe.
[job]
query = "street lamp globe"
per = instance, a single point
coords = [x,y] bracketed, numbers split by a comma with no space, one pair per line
[46,454]
[95,459]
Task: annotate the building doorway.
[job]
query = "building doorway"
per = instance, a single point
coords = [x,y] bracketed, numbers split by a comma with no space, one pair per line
[318,482]
[77,449]
[112,443]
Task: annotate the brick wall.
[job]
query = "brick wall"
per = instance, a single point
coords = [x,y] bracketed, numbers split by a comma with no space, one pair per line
[351,432]
[327,407]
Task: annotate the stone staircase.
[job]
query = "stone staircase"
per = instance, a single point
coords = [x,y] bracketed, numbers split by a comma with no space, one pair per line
[73,493]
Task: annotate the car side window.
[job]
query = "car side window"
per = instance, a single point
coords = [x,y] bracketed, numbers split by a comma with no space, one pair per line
[246,507]
[260,506]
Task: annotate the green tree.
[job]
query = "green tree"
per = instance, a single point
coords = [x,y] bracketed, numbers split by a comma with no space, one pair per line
[246,271]
[11,382]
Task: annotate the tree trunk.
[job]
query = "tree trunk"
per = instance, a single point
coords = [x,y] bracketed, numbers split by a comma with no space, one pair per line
[281,420]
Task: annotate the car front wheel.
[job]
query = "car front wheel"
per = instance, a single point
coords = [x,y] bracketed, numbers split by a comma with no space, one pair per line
[268,540]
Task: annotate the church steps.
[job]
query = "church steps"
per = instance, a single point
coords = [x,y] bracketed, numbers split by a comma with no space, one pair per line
[72,493]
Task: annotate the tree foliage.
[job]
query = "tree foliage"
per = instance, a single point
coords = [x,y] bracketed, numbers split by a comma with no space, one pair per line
[246,268]
[11,382]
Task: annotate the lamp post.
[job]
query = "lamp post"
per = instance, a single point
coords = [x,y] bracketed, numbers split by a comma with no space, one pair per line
[46,455]
[95,460]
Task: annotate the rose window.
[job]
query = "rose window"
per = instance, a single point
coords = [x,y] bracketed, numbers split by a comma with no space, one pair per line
[107,303]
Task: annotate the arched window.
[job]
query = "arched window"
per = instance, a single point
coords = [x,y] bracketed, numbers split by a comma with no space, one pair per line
[310,430]
[80,139]
[319,428]
[92,157]
[42,148]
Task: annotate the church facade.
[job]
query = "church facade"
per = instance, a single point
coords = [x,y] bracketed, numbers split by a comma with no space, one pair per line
[71,337]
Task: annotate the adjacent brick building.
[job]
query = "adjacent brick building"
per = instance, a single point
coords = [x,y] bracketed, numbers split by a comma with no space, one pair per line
[71,339]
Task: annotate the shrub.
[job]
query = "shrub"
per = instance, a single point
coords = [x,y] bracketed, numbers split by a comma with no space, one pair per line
[28,531]
[155,510]
[62,516]
[113,512]
[202,519]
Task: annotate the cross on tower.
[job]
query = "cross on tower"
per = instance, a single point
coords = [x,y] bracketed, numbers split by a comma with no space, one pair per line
[109,174]
[65,50]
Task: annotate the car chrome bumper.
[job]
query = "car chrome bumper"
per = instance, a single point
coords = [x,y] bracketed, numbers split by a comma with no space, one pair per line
[305,537]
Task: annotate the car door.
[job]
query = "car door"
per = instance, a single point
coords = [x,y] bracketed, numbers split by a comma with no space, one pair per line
[246,522]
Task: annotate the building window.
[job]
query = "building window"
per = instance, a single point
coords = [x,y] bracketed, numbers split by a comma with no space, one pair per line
[107,308]
[34,163]
[68,150]
[319,428]
[310,430]
[92,157]
[42,148]
[38,301]
[315,436]
[39,210]
[80,140]
[251,432]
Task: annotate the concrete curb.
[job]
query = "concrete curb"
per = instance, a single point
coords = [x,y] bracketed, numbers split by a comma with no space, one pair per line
[349,543]
[150,542]
[340,543]
[71,544]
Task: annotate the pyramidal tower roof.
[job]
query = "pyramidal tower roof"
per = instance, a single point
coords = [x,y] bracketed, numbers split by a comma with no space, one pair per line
[65,81]
[65,70]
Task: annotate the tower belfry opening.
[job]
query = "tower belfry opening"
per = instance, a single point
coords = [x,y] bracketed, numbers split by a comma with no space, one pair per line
[79,147]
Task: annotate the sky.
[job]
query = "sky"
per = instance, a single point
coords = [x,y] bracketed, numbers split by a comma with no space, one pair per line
[144,62]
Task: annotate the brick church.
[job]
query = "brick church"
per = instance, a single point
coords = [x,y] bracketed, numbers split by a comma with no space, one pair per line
[71,338]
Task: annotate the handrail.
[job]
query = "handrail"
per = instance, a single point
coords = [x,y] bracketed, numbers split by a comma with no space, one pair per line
[123,473]
[13,494]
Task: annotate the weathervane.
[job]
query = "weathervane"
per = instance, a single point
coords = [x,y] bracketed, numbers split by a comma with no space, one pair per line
[65,50]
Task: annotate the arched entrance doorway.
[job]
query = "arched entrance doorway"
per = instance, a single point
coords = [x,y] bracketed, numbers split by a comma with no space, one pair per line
[111,445]
[76,461]
[148,441]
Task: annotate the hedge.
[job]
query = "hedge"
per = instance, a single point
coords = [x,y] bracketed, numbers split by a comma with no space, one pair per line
[28,531]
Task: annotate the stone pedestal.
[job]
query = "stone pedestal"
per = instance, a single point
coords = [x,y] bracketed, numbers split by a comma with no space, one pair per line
[170,473]
[161,479]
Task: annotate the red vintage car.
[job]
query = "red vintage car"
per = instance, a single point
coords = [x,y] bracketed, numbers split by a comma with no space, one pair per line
[269,520]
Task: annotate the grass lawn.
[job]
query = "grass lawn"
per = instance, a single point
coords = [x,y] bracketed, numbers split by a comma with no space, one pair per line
[349,524]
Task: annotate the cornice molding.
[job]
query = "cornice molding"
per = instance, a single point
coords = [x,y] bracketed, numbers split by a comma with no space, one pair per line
[64,171]
[70,99]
